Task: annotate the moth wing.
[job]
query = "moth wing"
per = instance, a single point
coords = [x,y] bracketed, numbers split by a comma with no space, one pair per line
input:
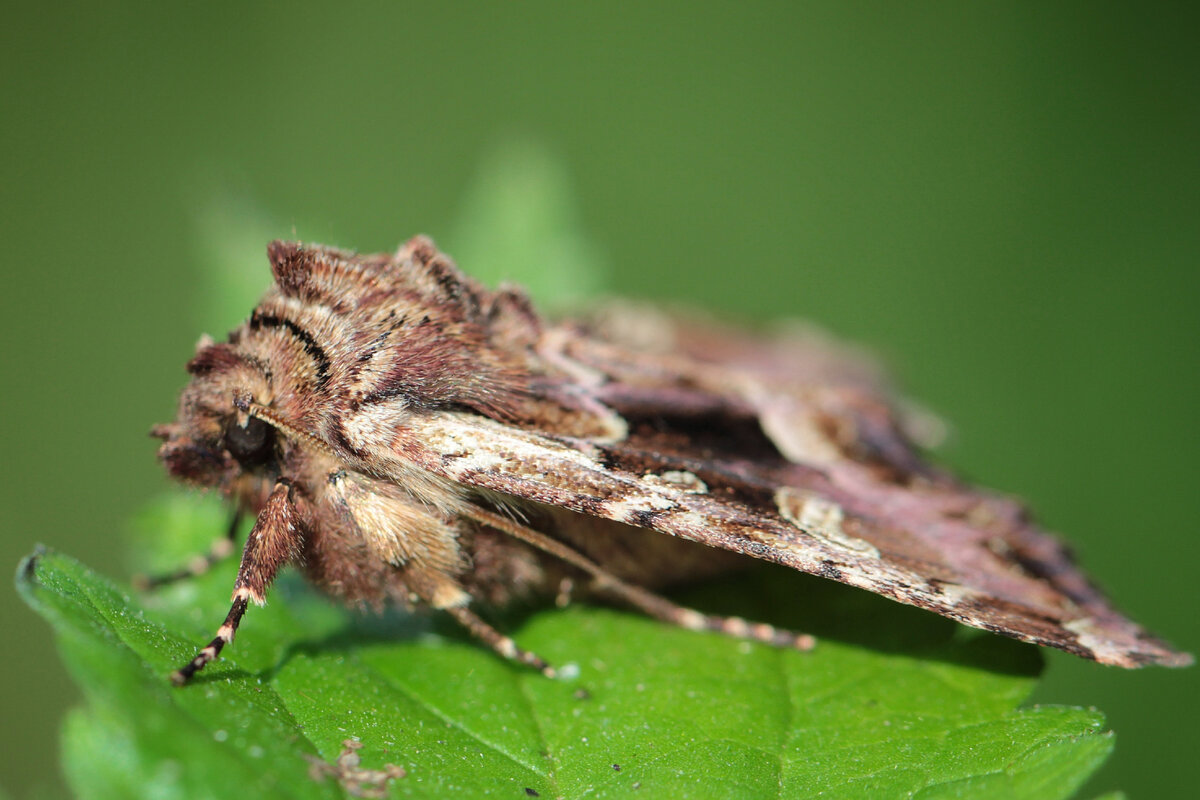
[948,549]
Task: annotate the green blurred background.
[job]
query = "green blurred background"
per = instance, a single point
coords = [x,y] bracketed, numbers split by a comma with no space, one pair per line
[1000,199]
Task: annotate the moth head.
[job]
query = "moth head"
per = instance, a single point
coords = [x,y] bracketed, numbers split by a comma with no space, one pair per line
[213,441]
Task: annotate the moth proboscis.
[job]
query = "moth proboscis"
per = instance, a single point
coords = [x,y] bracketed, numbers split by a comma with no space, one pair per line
[403,434]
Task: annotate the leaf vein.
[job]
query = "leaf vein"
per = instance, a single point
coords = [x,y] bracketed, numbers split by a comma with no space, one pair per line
[397,686]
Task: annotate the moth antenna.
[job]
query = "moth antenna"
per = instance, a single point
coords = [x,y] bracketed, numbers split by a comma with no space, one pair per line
[646,601]
[286,428]
[274,541]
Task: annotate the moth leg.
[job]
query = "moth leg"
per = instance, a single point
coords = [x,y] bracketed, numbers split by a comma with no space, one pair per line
[562,598]
[198,565]
[274,541]
[642,599]
[501,644]
[443,593]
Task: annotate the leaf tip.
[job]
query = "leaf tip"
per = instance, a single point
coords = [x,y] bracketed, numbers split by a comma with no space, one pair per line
[27,568]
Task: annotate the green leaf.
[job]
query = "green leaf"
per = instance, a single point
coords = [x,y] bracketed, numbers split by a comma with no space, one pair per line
[892,703]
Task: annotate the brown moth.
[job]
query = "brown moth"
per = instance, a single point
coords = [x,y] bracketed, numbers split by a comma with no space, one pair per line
[403,434]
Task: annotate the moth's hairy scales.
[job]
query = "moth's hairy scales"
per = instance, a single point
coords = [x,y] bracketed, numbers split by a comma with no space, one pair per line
[435,442]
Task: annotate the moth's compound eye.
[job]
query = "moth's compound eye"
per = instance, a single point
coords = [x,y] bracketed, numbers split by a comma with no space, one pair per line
[252,445]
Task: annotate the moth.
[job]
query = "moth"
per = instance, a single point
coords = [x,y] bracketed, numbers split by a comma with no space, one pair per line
[403,434]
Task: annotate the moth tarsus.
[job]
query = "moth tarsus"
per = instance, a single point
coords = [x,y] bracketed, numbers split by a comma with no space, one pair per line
[402,433]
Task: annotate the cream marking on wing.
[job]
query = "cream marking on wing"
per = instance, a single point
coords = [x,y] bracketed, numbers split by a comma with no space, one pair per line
[789,423]
[821,519]
[483,444]
[956,594]
[618,429]
[1090,635]
[626,508]
[677,479]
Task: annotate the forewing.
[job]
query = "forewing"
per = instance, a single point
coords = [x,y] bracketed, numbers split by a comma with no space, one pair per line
[929,542]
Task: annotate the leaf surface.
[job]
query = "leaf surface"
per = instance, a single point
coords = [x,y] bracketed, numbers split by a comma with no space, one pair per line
[911,706]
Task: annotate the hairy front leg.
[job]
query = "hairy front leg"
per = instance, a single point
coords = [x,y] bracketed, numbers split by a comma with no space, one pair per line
[275,540]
